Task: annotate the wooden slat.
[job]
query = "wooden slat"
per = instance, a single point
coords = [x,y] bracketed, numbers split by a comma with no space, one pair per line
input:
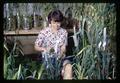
[25,32]
[19,32]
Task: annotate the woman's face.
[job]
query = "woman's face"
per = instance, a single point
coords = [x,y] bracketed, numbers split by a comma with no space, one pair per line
[55,25]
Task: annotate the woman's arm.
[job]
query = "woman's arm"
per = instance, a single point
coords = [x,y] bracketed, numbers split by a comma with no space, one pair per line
[62,52]
[38,43]
[64,44]
[41,49]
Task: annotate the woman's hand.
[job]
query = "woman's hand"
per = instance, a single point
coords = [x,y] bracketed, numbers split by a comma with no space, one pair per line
[63,50]
[62,53]
[42,49]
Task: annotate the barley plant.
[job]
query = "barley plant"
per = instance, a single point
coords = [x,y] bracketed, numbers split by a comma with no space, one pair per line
[94,42]
[16,66]
[94,60]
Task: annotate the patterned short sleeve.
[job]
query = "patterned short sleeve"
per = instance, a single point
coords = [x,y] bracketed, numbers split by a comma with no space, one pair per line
[39,39]
[64,38]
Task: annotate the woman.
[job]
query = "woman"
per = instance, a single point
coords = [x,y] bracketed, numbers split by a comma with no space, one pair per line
[55,37]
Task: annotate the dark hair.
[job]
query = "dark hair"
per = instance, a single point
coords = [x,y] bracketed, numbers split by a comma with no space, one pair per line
[55,15]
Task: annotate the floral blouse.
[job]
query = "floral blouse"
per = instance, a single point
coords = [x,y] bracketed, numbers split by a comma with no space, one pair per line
[46,38]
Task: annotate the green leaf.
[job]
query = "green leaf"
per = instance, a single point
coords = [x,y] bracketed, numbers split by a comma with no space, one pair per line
[83,49]
[40,71]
